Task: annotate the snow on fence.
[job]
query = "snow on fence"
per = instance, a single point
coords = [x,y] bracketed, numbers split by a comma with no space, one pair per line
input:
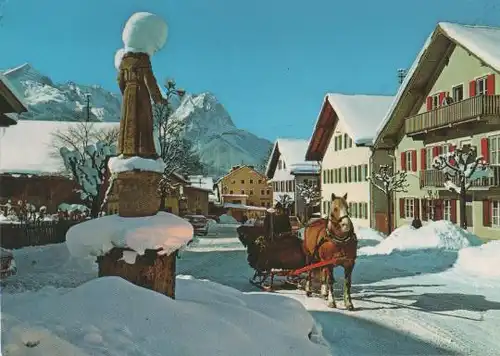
[34,234]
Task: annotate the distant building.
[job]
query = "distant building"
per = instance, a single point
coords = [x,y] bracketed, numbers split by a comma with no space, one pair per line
[287,168]
[244,185]
[341,141]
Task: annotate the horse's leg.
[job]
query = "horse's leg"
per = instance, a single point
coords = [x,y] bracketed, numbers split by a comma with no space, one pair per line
[308,279]
[324,282]
[331,282]
[347,286]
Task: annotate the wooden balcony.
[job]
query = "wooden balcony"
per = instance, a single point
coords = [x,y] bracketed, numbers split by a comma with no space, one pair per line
[470,109]
[435,179]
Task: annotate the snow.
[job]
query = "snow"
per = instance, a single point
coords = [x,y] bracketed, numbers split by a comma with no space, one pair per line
[121,164]
[221,320]
[39,157]
[144,32]
[228,219]
[293,152]
[72,207]
[164,231]
[440,234]
[243,206]
[482,261]
[5,81]
[366,233]
[360,114]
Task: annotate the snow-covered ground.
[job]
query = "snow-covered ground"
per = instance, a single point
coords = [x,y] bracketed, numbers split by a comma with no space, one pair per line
[438,294]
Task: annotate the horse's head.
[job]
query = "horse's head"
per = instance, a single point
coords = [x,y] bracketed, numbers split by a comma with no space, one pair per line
[339,214]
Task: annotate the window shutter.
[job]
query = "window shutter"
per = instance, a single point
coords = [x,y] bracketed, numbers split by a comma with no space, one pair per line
[486,213]
[423,159]
[414,160]
[429,103]
[438,208]
[442,95]
[403,161]
[472,88]
[485,150]
[453,211]
[435,151]
[416,203]
[490,84]
[424,210]
[401,208]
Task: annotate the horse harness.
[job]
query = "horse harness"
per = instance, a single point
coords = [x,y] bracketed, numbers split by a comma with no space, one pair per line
[330,236]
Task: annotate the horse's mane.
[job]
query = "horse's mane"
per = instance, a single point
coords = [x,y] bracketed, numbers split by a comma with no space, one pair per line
[321,221]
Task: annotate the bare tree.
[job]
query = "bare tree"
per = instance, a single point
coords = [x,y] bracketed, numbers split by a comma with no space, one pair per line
[285,201]
[389,183]
[461,168]
[88,168]
[311,193]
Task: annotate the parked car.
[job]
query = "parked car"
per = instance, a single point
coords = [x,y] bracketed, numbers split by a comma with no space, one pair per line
[8,265]
[199,222]
[295,222]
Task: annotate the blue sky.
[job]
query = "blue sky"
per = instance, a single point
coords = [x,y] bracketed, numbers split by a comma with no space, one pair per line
[269,62]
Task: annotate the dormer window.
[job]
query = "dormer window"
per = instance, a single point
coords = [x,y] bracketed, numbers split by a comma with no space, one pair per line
[279,164]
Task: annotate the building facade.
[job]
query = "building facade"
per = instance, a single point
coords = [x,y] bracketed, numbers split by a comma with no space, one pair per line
[341,141]
[287,169]
[459,107]
[245,186]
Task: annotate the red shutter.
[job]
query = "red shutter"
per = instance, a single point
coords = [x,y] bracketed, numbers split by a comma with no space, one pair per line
[453,211]
[490,84]
[435,151]
[452,148]
[438,209]
[401,208]
[485,150]
[472,88]
[403,161]
[486,213]
[429,103]
[442,95]
[423,159]
[414,160]
[416,203]
[425,213]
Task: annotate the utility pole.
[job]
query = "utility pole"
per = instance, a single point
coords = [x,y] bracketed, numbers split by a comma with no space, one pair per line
[401,75]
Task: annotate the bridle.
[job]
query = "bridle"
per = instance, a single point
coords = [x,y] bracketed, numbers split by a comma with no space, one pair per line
[336,221]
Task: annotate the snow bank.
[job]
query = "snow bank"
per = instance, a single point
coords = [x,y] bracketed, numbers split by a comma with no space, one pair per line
[227,219]
[437,234]
[366,233]
[483,261]
[121,164]
[205,319]
[161,231]
[72,207]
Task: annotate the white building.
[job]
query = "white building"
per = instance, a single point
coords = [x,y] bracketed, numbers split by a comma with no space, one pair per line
[342,141]
[206,183]
[286,168]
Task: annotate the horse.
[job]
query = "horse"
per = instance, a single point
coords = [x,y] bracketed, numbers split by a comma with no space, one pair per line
[332,238]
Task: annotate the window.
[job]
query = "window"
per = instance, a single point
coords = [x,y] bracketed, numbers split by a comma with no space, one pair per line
[447,210]
[282,186]
[355,210]
[360,175]
[431,209]
[268,204]
[355,173]
[279,165]
[262,192]
[340,142]
[268,192]
[260,181]
[409,161]
[233,182]
[324,176]
[346,141]
[445,149]
[251,181]
[429,159]
[243,191]
[350,142]
[366,210]
[349,174]
[350,207]
[251,192]
[242,181]
[457,93]
[284,165]
[345,175]
[365,172]
[231,192]
[494,145]
[435,101]
[495,213]
[262,203]
[481,86]
[409,208]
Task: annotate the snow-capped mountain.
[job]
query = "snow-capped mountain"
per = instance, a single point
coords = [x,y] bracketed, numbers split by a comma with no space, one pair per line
[220,143]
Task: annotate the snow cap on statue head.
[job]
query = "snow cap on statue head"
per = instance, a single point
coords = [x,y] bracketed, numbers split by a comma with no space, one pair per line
[144,32]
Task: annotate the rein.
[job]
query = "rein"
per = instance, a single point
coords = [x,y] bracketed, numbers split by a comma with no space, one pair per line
[335,238]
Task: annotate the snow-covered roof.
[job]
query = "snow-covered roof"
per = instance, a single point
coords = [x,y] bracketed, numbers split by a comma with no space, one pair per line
[26,147]
[244,207]
[292,152]
[206,183]
[17,95]
[481,41]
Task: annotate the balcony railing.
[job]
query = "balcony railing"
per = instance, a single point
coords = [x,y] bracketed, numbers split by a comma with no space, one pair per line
[434,178]
[461,111]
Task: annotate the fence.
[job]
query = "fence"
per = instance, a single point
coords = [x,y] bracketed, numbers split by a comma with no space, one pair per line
[34,234]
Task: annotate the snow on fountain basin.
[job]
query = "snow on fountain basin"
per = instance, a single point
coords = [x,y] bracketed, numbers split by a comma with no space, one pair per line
[120,164]
[480,261]
[164,231]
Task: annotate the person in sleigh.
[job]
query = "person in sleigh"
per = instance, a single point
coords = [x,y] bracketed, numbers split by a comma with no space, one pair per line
[277,222]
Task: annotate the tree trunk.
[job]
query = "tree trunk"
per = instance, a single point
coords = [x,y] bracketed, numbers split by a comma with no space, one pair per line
[95,208]
[389,213]
[151,271]
[162,202]
[463,213]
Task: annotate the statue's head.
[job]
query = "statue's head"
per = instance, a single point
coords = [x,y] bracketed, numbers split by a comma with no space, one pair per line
[144,32]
